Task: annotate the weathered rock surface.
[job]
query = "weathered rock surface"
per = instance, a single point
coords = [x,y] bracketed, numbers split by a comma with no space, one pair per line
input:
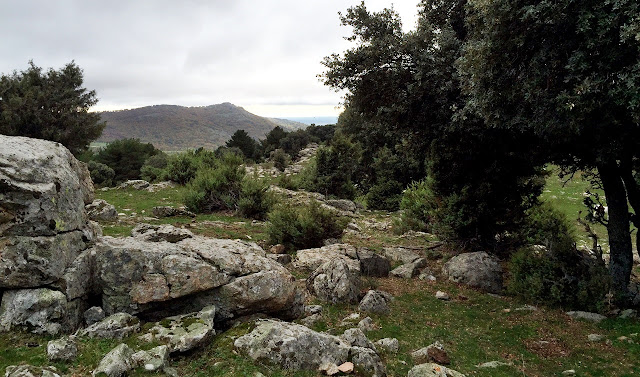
[30,371]
[185,332]
[409,270]
[356,338]
[390,345]
[368,360]
[292,346]
[433,370]
[100,210]
[296,198]
[92,315]
[165,211]
[136,184]
[152,360]
[400,254]
[335,282]
[43,188]
[157,233]
[375,302]
[42,311]
[137,276]
[360,259]
[116,363]
[64,349]
[587,316]
[115,326]
[477,269]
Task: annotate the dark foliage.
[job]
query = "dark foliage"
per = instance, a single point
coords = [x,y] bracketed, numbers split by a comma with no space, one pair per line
[126,157]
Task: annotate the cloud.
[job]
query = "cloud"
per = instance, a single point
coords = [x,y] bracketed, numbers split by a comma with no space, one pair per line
[192,52]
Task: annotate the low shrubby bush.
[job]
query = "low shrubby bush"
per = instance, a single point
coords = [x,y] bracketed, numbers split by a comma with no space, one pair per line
[182,167]
[418,206]
[280,159]
[255,199]
[126,157]
[216,187]
[154,169]
[101,174]
[303,226]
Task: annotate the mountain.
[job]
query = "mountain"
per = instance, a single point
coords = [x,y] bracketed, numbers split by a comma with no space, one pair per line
[172,128]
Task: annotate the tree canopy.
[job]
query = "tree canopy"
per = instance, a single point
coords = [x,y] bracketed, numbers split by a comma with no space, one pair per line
[241,140]
[51,105]
[568,72]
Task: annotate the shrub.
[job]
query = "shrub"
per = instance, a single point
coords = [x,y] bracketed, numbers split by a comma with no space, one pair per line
[385,195]
[544,225]
[154,169]
[303,227]
[217,187]
[418,206]
[255,199]
[280,159]
[182,167]
[569,278]
[334,168]
[101,174]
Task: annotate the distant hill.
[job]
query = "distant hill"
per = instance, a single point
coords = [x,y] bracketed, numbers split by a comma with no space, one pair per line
[171,127]
[289,125]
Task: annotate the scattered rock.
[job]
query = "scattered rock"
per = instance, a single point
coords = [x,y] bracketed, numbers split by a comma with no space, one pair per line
[64,349]
[93,314]
[335,282]
[42,311]
[368,360]
[346,368]
[375,302]
[311,320]
[493,364]
[356,338]
[30,371]
[442,296]
[628,313]
[409,270]
[587,316]
[165,211]
[311,259]
[372,264]
[477,269]
[283,259]
[569,372]
[100,210]
[115,326]
[595,337]
[161,186]
[426,275]
[433,370]
[278,249]
[434,352]
[116,363]
[157,233]
[390,345]
[282,343]
[400,254]
[312,309]
[527,308]
[366,324]
[186,332]
[330,369]
[136,184]
[152,360]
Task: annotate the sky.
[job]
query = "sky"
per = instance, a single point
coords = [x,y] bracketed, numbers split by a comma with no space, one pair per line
[262,55]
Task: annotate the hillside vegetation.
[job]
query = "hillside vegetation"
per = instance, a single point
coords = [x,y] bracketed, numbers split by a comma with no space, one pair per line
[170,127]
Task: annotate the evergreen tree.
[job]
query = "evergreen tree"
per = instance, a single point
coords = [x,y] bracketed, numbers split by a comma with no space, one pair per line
[241,140]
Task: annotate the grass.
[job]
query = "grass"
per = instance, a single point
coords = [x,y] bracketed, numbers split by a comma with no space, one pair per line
[474,327]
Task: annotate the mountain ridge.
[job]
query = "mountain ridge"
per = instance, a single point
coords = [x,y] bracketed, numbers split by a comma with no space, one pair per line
[174,127]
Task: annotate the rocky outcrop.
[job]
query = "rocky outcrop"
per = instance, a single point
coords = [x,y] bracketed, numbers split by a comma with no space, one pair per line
[30,371]
[116,363]
[358,259]
[296,198]
[157,233]
[116,326]
[165,211]
[64,349]
[335,282]
[185,332]
[44,232]
[433,370]
[296,347]
[375,302]
[477,269]
[159,279]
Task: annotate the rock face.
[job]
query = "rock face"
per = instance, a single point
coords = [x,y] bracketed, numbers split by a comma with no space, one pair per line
[335,282]
[477,269]
[116,326]
[375,302]
[44,230]
[161,278]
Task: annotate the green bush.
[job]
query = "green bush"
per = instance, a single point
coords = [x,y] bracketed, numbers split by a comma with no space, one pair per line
[304,226]
[418,207]
[154,169]
[385,195]
[280,159]
[544,225]
[217,187]
[101,174]
[182,167]
[569,278]
[255,199]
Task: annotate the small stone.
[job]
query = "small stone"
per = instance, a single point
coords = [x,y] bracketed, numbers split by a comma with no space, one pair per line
[312,309]
[390,345]
[442,296]
[277,249]
[366,324]
[64,349]
[93,315]
[529,308]
[311,320]
[356,338]
[569,372]
[628,313]
[587,316]
[493,364]
[595,337]
[346,368]
[329,369]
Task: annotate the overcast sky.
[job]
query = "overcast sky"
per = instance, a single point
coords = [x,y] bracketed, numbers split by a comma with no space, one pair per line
[261,55]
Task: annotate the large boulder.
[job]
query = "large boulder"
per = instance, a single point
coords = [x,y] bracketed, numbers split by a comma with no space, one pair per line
[292,346]
[42,311]
[116,363]
[43,188]
[159,279]
[359,259]
[335,282]
[477,269]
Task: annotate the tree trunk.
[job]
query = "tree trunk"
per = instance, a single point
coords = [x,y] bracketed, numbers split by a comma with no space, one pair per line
[621,261]
[633,192]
